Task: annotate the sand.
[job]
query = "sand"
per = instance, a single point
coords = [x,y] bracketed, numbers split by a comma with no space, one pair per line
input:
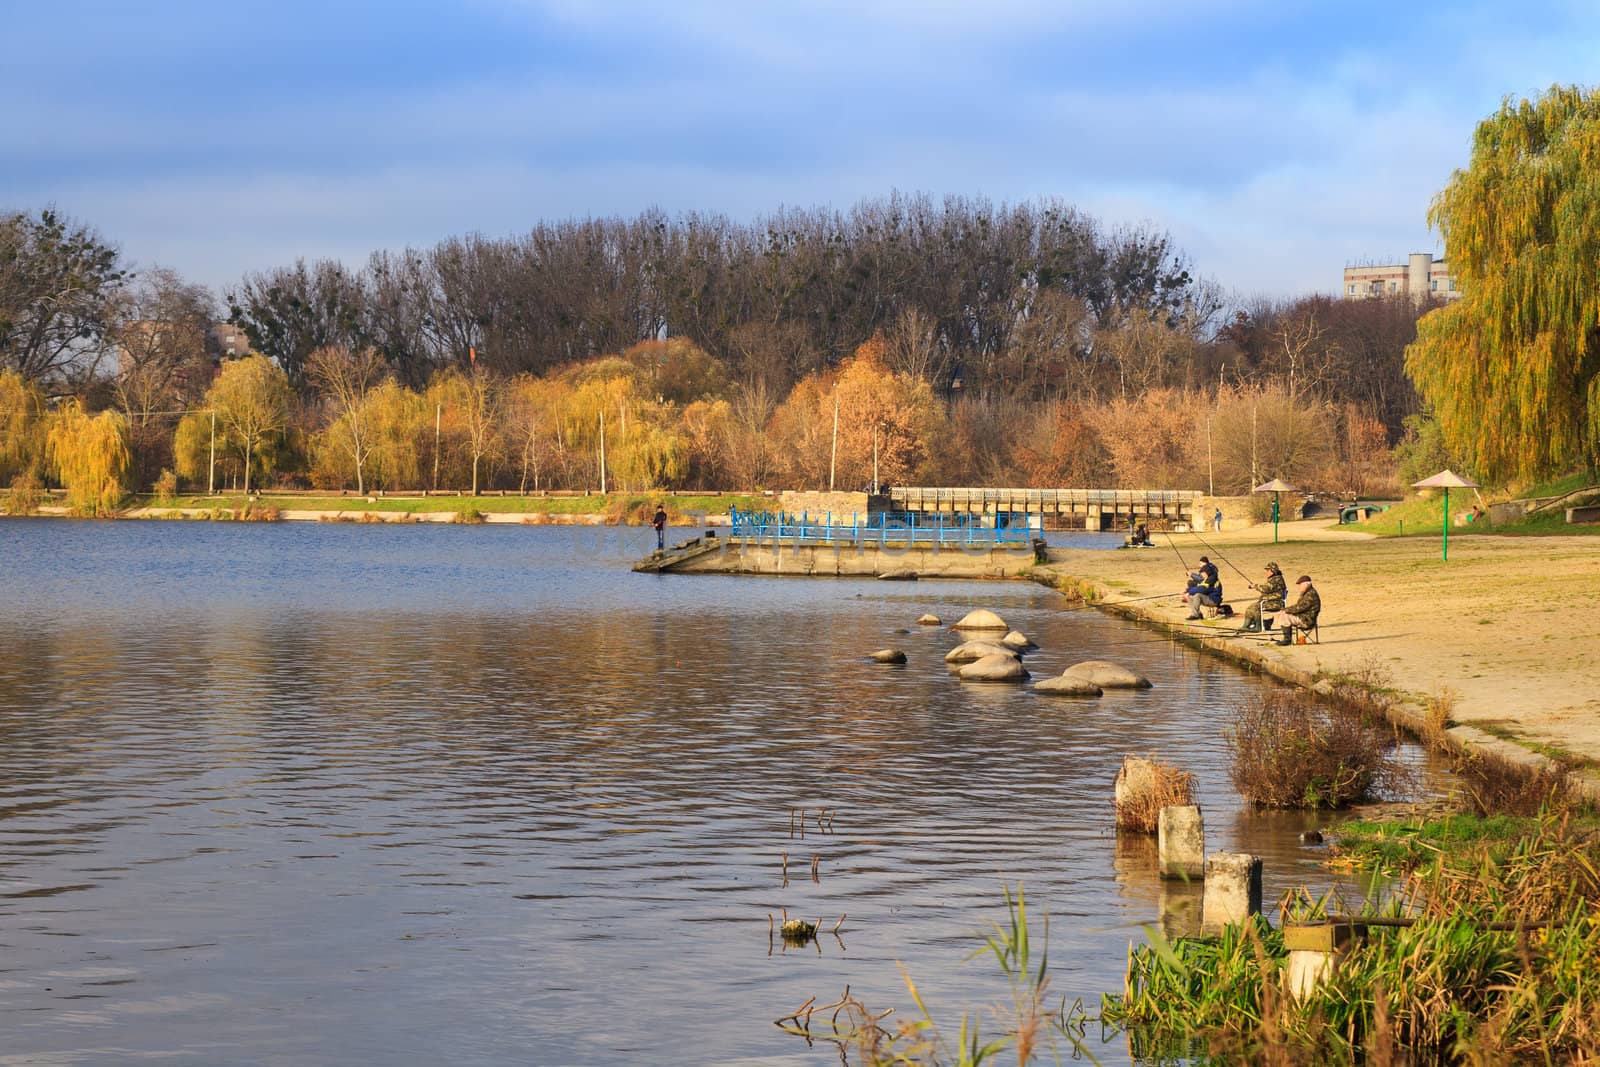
[1508,627]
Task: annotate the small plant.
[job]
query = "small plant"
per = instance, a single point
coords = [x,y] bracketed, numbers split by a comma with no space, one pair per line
[470,516]
[1494,785]
[1441,707]
[166,488]
[256,511]
[1287,751]
[25,496]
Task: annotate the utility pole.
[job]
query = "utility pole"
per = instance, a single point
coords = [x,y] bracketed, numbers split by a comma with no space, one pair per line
[1211,476]
[833,458]
[211,476]
[602,453]
[874,459]
[438,421]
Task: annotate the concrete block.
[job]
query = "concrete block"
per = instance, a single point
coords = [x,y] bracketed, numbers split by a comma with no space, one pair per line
[1181,842]
[1233,889]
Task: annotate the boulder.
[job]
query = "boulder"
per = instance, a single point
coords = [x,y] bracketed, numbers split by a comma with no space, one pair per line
[972,651]
[930,620]
[887,655]
[1067,686]
[1018,640]
[981,619]
[996,668]
[1107,675]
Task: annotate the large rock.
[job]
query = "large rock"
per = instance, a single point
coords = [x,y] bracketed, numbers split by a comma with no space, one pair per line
[998,668]
[1107,675]
[1018,640]
[1066,686]
[981,619]
[972,651]
[930,620]
[887,655]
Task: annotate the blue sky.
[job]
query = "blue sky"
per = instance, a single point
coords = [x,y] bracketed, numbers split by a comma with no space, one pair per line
[1277,141]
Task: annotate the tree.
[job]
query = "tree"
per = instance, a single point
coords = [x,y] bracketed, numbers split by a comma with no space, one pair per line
[470,404]
[58,283]
[251,399]
[1512,369]
[90,454]
[346,377]
[161,333]
[291,312]
[21,422]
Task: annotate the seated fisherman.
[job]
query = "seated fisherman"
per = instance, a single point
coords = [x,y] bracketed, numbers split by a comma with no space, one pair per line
[1205,588]
[1141,535]
[1273,591]
[1302,614]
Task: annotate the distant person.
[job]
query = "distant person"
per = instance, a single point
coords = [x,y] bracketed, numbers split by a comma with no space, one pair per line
[1302,614]
[1216,521]
[660,523]
[1141,535]
[1273,590]
[1204,590]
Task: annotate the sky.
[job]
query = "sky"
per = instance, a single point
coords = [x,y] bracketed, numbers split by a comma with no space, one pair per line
[1276,141]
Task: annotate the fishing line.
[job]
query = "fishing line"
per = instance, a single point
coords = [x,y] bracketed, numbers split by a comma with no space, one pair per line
[1174,545]
[1223,558]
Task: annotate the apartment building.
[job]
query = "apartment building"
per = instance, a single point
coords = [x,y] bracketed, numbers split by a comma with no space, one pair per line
[1421,276]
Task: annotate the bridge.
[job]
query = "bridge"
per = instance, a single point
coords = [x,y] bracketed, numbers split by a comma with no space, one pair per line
[1088,509]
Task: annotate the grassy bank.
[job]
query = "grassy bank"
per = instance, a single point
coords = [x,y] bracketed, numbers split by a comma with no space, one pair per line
[615,507]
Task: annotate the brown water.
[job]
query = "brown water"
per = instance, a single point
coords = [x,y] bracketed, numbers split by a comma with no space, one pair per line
[305,794]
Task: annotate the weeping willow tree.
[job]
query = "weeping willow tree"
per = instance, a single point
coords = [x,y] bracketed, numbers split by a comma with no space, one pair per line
[90,454]
[1512,369]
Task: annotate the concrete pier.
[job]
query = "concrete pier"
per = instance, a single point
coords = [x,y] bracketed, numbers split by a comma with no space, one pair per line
[860,559]
[1233,889]
[1181,842]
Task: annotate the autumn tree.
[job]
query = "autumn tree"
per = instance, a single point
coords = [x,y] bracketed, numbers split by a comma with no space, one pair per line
[1512,369]
[58,287]
[346,377]
[90,455]
[251,399]
[161,333]
[533,409]
[21,425]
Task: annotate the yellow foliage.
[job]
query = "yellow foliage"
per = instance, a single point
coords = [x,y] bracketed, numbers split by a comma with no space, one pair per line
[21,422]
[90,455]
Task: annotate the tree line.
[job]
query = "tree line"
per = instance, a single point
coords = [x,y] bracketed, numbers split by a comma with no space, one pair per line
[979,344]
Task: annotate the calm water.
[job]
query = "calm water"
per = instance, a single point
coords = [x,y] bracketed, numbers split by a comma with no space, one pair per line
[308,793]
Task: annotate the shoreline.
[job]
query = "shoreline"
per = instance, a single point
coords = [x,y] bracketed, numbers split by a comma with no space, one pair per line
[1398,619]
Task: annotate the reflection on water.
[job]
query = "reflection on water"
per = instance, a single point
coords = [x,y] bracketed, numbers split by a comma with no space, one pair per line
[306,793]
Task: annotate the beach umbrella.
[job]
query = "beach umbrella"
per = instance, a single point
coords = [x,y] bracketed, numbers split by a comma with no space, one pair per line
[1446,480]
[1276,486]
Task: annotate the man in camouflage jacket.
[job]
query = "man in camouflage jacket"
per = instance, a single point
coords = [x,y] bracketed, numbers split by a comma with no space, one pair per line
[1302,614]
[1273,592]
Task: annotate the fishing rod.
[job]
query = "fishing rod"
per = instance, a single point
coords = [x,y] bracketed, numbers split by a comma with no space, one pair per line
[1220,556]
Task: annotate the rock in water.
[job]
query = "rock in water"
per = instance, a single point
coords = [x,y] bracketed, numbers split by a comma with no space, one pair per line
[1107,675]
[1067,686]
[1018,640]
[898,576]
[930,620]
[981,619]
[887,655]
[972,651]
[998,668]
[1136,782]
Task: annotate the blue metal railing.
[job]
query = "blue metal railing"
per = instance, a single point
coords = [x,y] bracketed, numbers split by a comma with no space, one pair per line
[905,528]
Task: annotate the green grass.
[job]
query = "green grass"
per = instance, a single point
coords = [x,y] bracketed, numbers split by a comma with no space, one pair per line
[1405,844]
[1503,729]
[497,505]
[1420,517]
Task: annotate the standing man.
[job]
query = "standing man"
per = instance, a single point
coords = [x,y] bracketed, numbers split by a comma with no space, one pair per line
[1273,591]
[1302,614]
[660,523]
[1216,521]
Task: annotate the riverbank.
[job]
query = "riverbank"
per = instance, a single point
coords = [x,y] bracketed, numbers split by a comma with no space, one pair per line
[1504,634]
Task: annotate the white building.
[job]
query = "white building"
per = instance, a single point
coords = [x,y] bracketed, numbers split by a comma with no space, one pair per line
[1421,276]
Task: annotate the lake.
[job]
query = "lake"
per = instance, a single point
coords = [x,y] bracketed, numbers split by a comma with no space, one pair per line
[304,793]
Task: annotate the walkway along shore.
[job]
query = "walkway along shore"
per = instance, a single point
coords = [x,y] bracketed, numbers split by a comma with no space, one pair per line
[1507,631]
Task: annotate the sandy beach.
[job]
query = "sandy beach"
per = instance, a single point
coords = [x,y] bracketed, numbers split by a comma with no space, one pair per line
[1509,625]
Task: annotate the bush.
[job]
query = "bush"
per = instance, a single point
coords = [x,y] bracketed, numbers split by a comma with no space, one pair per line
[1156,785]
[25,495]
[166,487]
[1288,751]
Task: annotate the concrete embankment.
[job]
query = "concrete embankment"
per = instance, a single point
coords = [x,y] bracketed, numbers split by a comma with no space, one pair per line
[860,559]
[1503,636]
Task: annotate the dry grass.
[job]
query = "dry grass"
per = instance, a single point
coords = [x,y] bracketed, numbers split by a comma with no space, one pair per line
[1168,786]
[1289,751]
[1494,785]
[25,496]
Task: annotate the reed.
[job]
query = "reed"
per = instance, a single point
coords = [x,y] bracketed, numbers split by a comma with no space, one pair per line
[1167,786]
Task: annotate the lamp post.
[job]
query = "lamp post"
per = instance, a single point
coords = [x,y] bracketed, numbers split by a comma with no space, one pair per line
[1446,480]
[1276,486]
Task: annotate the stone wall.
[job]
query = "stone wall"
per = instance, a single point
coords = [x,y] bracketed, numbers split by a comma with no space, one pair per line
[817,505]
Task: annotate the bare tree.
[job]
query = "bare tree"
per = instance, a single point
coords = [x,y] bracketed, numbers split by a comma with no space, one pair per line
[345,377]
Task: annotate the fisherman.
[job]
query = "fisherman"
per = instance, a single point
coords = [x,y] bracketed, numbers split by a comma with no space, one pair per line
[1273,591]
[659,521]
[1302,614]
[1205,588]
[1141,536]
